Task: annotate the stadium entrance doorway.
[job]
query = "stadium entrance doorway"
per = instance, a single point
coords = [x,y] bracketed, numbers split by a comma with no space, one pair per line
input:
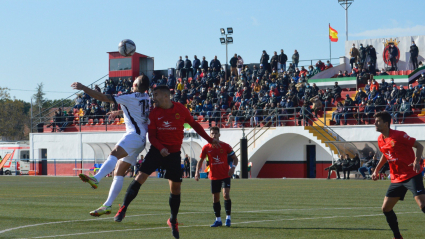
[311,161]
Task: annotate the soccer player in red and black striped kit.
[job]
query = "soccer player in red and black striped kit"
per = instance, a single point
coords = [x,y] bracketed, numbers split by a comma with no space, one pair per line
[165,128]
[220,174]
[405,168]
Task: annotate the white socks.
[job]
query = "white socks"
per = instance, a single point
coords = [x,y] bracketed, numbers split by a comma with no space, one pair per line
[107,167]
[115,189]
[218,219]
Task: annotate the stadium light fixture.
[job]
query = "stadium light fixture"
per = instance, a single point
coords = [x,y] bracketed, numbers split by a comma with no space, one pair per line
[222,40]
[229,30]
[225,40]
[346,4]
[229,40]
[222,31]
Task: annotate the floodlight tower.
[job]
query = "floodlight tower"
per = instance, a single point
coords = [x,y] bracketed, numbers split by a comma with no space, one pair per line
[226,40]
[346,4]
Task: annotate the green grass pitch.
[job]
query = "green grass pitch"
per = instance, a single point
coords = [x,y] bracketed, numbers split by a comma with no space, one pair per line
[47,207]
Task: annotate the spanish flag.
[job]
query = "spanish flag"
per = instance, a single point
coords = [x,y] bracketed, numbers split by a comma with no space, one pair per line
[333,34]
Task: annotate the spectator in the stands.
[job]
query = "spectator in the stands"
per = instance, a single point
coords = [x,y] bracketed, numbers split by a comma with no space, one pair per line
[393,53]
[401,92]
[360,114]
[373,95]
[336,115]
[360,95]
[328,65]
[383,72]
[340,75]
[204,65]
[389,106]
[196,64]
[346,74]
[317,105]
[327,98]
[296,58]
[371,68]
[282,61]
[379,103]
[371,52]
[362,54]
[414,53]
[421,79]
[354,53]
[264,60]
[187,68]
[215,116]
[233,62]
[179,67]
[405,110]
[383,85]
[369,166]
[336,91]
[321,65]
[171,82]
[79,102]
[348,108]
[369,111]
[274,61]
[353,73]
[239,65]
[316,70]
[215,65]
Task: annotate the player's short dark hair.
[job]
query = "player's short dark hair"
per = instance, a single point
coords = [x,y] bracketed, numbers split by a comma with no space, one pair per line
[163,88]
[143,84]
[385,116]
[215,128]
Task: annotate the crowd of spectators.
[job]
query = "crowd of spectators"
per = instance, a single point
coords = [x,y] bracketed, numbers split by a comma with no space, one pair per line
[271,91]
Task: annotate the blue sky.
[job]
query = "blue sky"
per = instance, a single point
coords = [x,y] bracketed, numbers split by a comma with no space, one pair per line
[59,42]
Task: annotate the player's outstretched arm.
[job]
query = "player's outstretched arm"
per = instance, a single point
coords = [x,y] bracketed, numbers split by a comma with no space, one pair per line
[198,129]
[417,163]
[382,161]
[198,167]
[92,93]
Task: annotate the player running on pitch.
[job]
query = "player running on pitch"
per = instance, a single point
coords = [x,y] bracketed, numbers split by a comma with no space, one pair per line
[220,174]
[405,168]
[135,107]
[165,128]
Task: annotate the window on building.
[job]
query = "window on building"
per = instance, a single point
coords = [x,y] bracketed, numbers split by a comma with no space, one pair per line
[120,64]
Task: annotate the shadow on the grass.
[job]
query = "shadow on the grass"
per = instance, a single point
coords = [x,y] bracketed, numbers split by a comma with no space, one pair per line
[316,228]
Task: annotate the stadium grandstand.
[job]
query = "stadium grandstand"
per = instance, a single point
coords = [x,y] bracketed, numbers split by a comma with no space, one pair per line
[258,100]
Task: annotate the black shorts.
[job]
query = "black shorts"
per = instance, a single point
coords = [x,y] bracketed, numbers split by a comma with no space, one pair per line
[414,184]
[171,164]
[216,185]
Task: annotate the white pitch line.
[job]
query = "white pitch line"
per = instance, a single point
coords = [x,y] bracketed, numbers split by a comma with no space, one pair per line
[182,213]
[247,222]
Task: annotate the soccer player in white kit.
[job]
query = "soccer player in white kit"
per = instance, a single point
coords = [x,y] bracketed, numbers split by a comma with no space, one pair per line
[135,107]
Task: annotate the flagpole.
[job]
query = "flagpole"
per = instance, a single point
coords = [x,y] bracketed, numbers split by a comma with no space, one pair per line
[330,48]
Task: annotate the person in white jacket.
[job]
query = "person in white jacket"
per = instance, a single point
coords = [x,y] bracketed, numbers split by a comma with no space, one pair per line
[239,65]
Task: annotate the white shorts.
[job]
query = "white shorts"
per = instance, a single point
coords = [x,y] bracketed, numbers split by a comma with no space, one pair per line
[133,144]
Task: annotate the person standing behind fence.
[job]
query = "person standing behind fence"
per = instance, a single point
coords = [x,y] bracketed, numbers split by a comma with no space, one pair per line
[233,63]
[282,60]
[414,53]
[295,58]
[179,67]
[239,65]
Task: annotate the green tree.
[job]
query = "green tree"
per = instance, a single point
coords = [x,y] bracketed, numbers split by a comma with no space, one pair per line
[14,118]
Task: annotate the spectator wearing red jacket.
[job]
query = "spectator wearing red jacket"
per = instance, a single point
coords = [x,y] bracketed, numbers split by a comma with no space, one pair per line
[321,65]
[303,71]
[273,90]
[374,85]
[328,65]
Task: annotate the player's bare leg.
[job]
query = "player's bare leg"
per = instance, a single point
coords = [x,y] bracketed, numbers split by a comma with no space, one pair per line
[174,201]
[420,200]
[227,205]
[115,189]
[387,208]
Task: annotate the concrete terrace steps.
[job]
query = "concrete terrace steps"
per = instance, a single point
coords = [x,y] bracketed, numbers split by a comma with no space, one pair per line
[322,135]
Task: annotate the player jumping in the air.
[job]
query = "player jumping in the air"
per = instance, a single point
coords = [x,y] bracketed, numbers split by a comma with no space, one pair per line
[135,107]
[405,168]
[220,174]
[165,128]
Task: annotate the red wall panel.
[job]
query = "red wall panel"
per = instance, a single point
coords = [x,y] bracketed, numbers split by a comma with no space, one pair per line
[290,169]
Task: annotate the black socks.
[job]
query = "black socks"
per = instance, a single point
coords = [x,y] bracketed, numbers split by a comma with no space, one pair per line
[217,209]
[423,209]
[392,222]
[228,206]
[131,193]
[174,202]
